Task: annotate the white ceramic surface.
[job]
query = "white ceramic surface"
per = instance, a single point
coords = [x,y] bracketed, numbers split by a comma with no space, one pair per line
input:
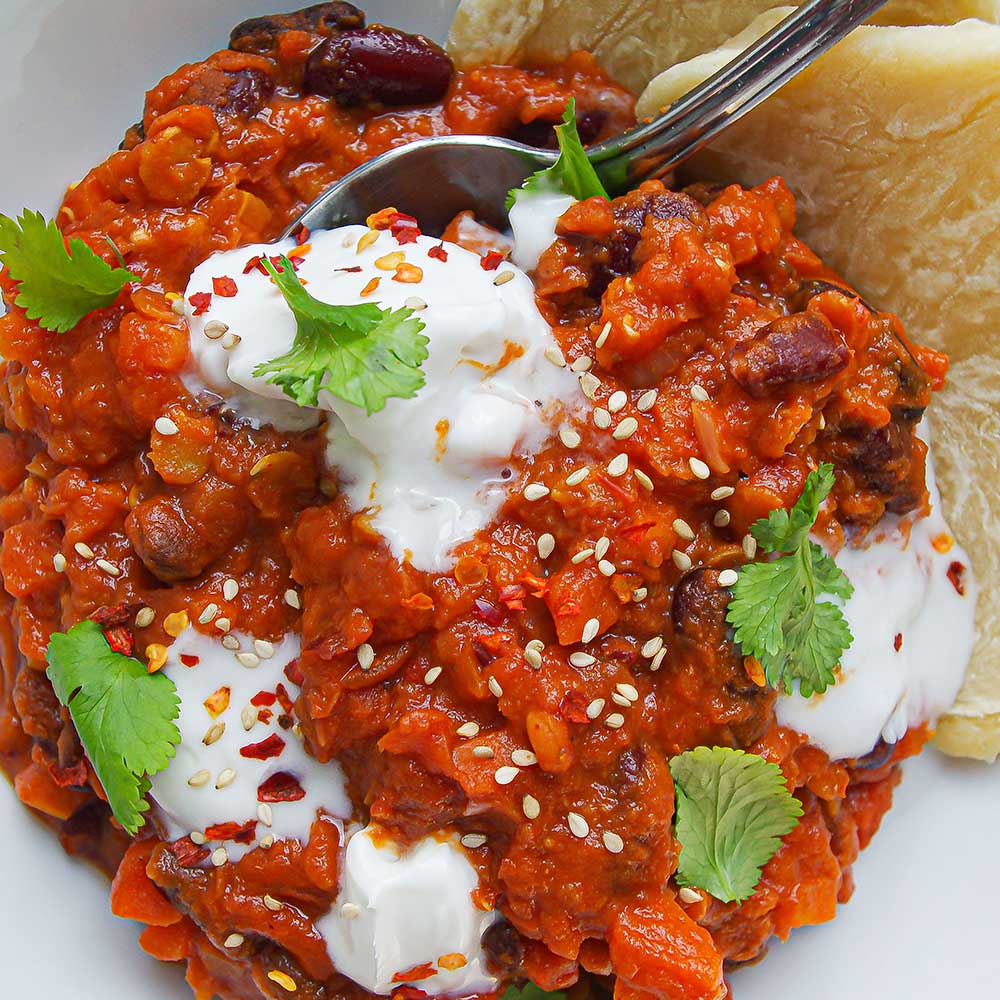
[924,921]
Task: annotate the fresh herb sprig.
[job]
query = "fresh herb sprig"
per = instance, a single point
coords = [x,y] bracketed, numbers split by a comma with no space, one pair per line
[733,808]
[124,715]
[59,281]
[362,354]
[571,174]
[778,608]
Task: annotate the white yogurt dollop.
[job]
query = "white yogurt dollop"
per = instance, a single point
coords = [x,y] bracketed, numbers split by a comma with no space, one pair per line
[533,219]
[399,910]
[901,589]
[431,466]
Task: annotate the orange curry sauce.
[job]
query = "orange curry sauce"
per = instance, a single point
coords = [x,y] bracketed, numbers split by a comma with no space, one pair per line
[701,295]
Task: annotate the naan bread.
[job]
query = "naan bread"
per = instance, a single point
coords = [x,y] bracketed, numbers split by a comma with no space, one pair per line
[636,40]
[891,143]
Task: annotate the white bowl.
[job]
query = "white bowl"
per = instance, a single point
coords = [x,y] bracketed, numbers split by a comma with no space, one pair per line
[923,923]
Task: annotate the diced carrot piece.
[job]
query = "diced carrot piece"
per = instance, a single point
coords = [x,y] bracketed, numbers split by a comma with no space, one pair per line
[134,895]
[35,787]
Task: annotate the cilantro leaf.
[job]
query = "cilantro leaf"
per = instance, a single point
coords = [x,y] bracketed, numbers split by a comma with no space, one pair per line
[123,714]
[732,809]
[529,991]
[571,174]
[362,354]
[777,608]
[56,286]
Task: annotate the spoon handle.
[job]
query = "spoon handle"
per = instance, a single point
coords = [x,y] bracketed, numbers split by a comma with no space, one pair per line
[695,119]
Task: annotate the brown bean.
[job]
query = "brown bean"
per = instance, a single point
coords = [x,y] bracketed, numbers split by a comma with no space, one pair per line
[803,347]
[699,606]
[503,948]
[236,92]
[261,34]
[378,65]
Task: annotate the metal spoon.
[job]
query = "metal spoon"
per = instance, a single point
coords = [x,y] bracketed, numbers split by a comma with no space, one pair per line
[435,179]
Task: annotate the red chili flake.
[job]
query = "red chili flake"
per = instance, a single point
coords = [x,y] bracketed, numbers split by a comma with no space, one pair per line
[265,715]
[281,787]
[483,655]
[201,301]
[286,721]
[349,270]
[265,749]
[302,235]
[897,643]
[262,698]
[253,262]
[241,833]
[568,608]
[488,612]
[404,228]
[283,697]
[120,639]
[415,974]
[224,287]
[956,573]
[513,597]
[638,529]
[187,853]
[294,673]
[217,702]
[537,587]
[438,252]
[408,993]
[114,614]
[190,660]
[382,219]
[491,261]
[573,707]
[69,777]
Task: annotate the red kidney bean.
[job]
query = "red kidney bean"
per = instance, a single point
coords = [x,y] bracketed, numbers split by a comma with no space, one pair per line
[261,34]
[378,65]
[236,92]
[803,347]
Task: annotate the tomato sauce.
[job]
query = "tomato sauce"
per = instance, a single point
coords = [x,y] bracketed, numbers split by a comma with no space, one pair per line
[683,283]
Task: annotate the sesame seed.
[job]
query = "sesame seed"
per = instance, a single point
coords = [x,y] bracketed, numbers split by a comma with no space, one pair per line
[590,629]
[415,303]
[109,567]
[524,758]
[219,857]
[495,689]
[249,716]
[652,646]
[646,401]
[553,354]
[578,476]
[625,429]
[208,613]
[618,466]
[272,904]
[640,594]
[546,545]
[265,649]
[226,778]
[595,708]
[165,426]
[230,340]
[617,401]
[231,643]
[433,674]
[177,307]
[698,392]
[721,518]
[657,660]
[474,840]
[144,617]
[620,699]
[687,895]
[569,437]
[602,337]
[749,546]
[582,556]
[482,752]
[606,568]
[505,775]
[503,277]
[267,841]
[199,778]
[613,843]
[468,729]
[582,364]
[722,492]
[230,589]
[601,547]
[59,562]
[197,837]
[223,624]
[699,468]
[233,941]
[615,720]
[533,658]
[644,481]
[602,419]
[728,577]
[535,491]
[627,691]
[350,911]
[683,529]
[284,980]
[581,659]
[681,560]
[84,550]
[530,807]
[578,826]
[214,733]
[589,384]
[248,660]
[292,599]
[214,329]
[366,656]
